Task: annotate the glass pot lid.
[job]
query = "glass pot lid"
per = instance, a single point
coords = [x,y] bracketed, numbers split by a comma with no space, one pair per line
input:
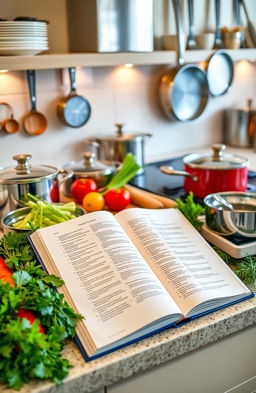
[218,160]
[89,165]
[24,173]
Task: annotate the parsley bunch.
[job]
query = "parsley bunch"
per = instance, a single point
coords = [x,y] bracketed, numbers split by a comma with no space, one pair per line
[25,353]
[191,210]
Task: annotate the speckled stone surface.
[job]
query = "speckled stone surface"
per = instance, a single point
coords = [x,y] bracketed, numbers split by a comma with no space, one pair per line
[91,376]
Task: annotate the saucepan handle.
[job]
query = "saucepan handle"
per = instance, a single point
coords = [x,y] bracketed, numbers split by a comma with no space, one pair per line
[63,174]
[168,170]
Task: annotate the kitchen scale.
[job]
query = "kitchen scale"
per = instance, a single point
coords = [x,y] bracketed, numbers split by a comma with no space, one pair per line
[153,180]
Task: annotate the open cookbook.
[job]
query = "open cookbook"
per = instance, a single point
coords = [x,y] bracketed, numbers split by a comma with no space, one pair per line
[133,274]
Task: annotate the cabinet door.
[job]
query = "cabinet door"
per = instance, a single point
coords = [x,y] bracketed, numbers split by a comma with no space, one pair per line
[225,366]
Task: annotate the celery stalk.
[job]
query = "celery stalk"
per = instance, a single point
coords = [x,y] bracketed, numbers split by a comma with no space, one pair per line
[124,175]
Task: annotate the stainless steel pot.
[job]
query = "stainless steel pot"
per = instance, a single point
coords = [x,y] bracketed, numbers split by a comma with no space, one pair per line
[101,172]
[16,182]
[239,221]
[113,148]
[239,126]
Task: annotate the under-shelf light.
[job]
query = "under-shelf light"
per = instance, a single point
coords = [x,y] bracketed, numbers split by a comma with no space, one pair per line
[128,65]
[3,71]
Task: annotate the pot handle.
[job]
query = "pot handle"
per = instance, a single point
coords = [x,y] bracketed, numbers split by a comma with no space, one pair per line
[92,142]
[62,175]
[168,170]
[148,135]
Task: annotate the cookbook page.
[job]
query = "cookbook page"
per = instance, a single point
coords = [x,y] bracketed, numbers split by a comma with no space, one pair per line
[183,261]
[108,280]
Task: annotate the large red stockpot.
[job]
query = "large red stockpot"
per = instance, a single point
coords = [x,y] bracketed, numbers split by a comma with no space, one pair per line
[204,174]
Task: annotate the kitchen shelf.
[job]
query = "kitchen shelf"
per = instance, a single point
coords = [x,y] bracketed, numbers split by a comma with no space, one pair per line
[66,60]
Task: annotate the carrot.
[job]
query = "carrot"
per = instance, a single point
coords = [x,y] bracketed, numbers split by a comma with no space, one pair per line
[139,198]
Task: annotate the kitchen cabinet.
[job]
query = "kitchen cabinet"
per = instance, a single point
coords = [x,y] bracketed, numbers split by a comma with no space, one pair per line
[60,54]
[225,366]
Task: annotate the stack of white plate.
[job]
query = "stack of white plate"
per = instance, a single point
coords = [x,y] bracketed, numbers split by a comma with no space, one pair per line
[23,37]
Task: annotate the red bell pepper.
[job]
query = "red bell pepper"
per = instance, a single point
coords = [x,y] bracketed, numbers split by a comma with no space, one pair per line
[30,317]
[6,273]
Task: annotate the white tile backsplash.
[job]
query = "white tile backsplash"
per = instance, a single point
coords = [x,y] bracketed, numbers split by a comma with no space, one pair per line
[129,96]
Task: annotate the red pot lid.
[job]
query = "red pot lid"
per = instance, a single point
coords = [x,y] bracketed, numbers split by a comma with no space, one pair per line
[217,161]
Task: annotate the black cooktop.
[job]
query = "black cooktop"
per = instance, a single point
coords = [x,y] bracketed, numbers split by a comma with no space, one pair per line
[153,180]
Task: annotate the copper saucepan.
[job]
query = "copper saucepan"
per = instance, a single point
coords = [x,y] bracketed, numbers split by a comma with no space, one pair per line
[9,125]
[35,122]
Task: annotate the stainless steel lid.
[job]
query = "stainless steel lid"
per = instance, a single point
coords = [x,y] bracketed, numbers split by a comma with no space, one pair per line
[120,135]
[90,166]
[218,160]
[24,173]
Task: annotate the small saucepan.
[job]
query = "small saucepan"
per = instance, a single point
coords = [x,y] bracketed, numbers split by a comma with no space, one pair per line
[236,217]
[74,110]
[183,90]
[9,125]
[204,174]
[34,122]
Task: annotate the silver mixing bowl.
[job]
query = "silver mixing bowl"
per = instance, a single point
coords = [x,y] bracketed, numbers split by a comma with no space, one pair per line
[16,215]
[239,222]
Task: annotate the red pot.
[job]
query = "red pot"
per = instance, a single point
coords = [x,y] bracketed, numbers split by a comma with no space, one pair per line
[209,174]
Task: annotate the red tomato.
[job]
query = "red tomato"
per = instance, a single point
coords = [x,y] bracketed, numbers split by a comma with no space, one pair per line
[80,187]
[30,317]
[117,199]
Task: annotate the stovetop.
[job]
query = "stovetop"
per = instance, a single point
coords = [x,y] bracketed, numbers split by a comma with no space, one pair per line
[153,180]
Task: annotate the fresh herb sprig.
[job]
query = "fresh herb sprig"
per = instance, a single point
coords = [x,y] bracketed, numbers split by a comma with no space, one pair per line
[191,210]
[24,352]
[245,267]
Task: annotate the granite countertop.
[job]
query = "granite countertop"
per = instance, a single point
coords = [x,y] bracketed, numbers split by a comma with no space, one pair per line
[152,351]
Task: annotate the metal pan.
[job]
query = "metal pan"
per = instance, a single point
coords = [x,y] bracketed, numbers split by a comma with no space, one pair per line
[220,73]
[73,110]
[191,43]
[35,122]
[250,27]
[183,90]
[238,19]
